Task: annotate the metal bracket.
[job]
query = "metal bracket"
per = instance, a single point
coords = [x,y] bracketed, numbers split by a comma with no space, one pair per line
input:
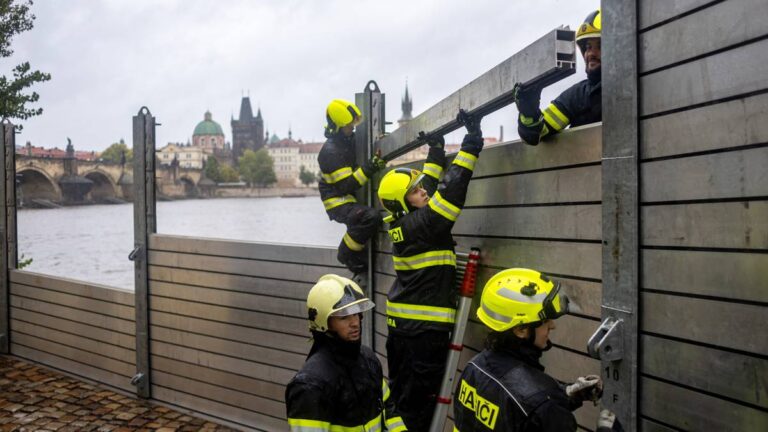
[607,343]
[134,253]
[138,379]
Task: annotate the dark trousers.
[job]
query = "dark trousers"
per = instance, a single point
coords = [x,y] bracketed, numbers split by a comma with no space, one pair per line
[362,223]
[416,366]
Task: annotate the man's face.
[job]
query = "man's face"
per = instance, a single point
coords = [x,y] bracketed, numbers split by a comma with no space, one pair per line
[592,54]
[347,328]
[417,197]
[542,334]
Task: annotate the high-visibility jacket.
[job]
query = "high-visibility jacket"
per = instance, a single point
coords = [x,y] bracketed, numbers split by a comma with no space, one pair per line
[509,391]
[339,390]
[578,105]
[423,296]
[341,176]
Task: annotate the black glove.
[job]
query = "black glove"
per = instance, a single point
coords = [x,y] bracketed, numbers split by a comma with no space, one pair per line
[527,99]
[374,164]
[432,140]
[474,136]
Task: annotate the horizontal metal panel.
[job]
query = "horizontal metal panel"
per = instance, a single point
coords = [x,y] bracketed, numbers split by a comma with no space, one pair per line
[276,305]
[715,176]
[78,342]
[224,281]
[568,185]
[655,11]
[81,316]
[728,275]
[716,27]
[244,419]
[317,255]
[85,330]
[707,79]
[651,426]
[73,367]
[223,363]
[728,124]
[735,376]
[717,225]
[730,325]
[83,289]
[690,410]
[266,269]
[222,379]
[263,355]
[383,282]
[577,222]
[566,366]
[294,344]
[86,358]
[220,394]
[253,319]
[73,301]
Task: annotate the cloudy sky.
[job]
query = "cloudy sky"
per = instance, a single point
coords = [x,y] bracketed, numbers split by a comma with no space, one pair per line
[180,58]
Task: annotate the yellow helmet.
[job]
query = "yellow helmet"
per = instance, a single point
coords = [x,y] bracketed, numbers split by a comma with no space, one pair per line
[519,296]
[394,187]
[590,28]
[340,113]
[334,295]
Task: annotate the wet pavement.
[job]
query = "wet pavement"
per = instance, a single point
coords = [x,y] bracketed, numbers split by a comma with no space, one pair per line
[33,398]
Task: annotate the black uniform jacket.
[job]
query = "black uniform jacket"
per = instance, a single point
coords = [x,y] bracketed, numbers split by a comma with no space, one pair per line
[423,296]
[340,386]
[341,176]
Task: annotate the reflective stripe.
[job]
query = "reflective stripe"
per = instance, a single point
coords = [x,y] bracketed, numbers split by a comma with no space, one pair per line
[396,424]
[352,244]
[426,259]
[555,117]
[528,121]
[338,175]
[433,170]
[303,425]
[385,389]
[444,208]
[337,201]
[455,429]
[360,176]
[516,296]
[466,160]
[421,312]
[496,316]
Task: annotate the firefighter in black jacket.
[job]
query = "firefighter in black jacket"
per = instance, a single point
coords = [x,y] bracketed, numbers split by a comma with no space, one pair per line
[504,388]
[578,105]
[422,301]
[341,177]
[341,385]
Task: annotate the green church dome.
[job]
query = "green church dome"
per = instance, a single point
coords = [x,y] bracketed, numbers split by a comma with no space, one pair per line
[208,127]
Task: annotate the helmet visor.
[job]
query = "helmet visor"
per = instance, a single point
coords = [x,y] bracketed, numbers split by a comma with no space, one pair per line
[555,304]
[355,308]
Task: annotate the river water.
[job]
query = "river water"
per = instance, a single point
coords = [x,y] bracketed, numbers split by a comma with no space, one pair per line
[92,243]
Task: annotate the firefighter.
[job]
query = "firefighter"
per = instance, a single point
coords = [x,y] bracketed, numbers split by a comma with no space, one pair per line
[578,105]
[341,385]
[504,388]
[341,177]
[421,303]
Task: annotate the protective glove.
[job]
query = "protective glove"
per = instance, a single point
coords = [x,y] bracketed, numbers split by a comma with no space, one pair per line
[606,422]
[375,163]
[432,140]
[527,99]
[585,388]
[471,122]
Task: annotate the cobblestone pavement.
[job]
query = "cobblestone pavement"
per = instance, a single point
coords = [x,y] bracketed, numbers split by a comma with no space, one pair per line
[36,399]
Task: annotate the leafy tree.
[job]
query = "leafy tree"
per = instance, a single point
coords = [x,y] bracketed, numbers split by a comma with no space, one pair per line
[15,18]
[257,168]
[212,169]
[306,177]
[114,152]
[228,174]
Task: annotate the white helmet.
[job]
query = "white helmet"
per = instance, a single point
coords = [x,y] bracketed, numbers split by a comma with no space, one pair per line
[334,295]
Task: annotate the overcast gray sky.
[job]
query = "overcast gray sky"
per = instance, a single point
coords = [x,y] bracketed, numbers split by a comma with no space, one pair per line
[182,57]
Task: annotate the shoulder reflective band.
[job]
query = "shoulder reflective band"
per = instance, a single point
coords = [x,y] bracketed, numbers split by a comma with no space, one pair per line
[396,424]
[555,117]
[466,160]
[384,389]
[433,170]
[426,259]
[302,425]
[360,176]
[338,175]
[443,207]
[421,312]
[337,201]
[352,244]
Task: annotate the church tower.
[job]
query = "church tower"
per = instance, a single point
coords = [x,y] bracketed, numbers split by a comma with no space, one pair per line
[407,106]
[247,130]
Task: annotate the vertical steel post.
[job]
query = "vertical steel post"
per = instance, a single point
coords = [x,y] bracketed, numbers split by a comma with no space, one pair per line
[144,224]
[8,251]
[620,182]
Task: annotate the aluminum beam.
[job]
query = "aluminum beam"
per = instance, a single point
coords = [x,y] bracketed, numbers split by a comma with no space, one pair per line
[549,59]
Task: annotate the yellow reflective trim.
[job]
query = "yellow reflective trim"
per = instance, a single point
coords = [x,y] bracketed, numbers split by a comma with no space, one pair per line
[433,170]
[466,160]
[304,425]
[423,260]
[337,201]
[444,208]
[485,411]
[455,429]
[396,424]
[385,389]
[555,117]
[360,176]
[352,244]
[421,312]
[338,175]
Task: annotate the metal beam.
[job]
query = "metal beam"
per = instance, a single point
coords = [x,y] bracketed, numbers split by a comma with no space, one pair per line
[549,59]
[8,250]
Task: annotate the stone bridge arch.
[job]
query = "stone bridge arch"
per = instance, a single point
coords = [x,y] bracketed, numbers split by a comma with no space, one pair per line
[34,183]
[104,186]
[190,187]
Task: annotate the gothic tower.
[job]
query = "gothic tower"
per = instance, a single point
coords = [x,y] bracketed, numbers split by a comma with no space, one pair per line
[407,106]
[247,131]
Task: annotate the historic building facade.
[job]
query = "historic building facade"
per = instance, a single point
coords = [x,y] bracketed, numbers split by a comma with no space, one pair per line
[247,130]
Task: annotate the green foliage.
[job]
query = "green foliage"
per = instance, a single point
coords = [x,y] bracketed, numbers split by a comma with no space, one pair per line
[306,177]
[257,168]
[114,153]
[24,262]
[212,169]
[228,174]
[15,19]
